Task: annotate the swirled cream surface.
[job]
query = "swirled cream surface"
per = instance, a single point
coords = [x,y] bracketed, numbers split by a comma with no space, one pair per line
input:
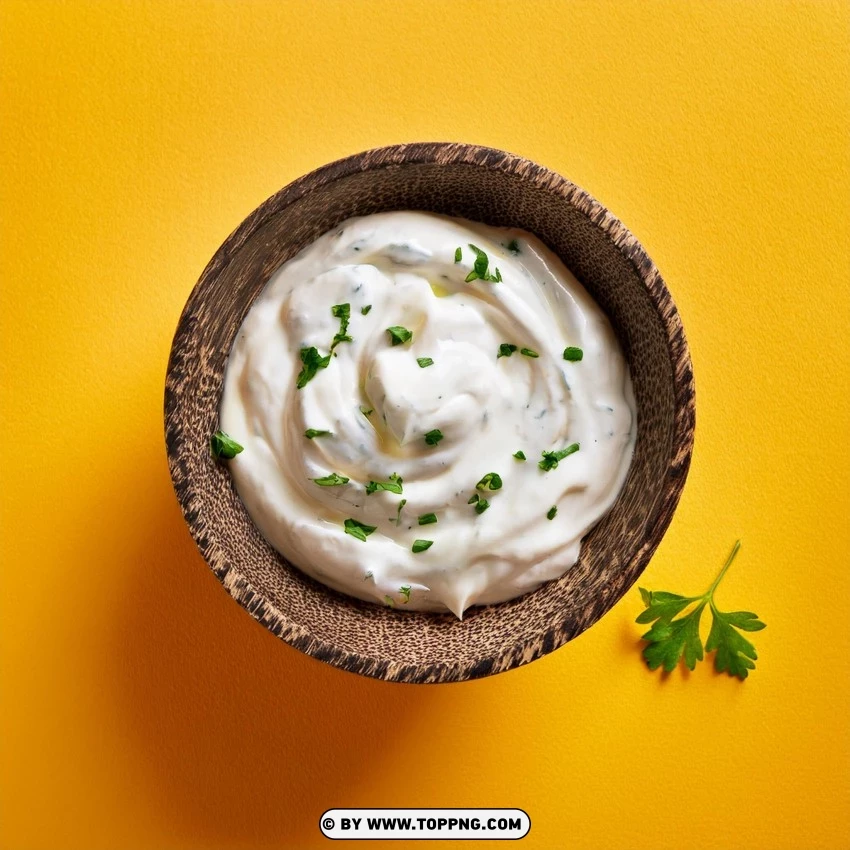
[437,443]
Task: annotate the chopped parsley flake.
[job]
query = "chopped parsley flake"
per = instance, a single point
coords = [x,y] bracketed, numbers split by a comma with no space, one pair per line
[397,519]
[313,361]
[520,455]
[481,268]
[550,514]
[491,481]
[481,505]
[391,486]
[224,446]
[331,480]
[365,310]
[398,335]
[513,246]
[312,433]
[550,459]
[389,601]
[506,349]
[404,590]
[421,545]
[343,313]
[573,354]
[424,362]
[528,352]
[427,519]
[434,437]
[473,499]
[458,255]
[358,529]
[366,411]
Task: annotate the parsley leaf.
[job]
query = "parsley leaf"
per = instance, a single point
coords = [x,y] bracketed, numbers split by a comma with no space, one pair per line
[224,446]
[404,590]
[364,311]
[427,519]
[551,459]
[424,362]
[458,255]
[481,505]
[397,519]
[520,455]
[313,361]
[312,433]
[528,352]
[492,481]
[331,480]
[398,334]
[434,437]
[670,639]
[391,486]
[513,246]
[573,354]
[358,529]
[343,313]
[506,349]
[550,514]
[421,545]
[366,411]
[481,268]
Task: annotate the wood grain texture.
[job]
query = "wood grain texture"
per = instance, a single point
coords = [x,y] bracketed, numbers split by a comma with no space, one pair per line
[484,185]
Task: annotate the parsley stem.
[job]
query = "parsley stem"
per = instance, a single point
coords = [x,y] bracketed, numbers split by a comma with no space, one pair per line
[710,592]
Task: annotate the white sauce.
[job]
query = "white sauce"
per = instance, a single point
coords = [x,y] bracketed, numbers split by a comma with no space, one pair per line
[487,408]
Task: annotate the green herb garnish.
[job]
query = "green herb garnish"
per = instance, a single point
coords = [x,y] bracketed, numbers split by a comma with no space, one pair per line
[520,455]
[424,362]
[481,505]
[427,519]
[398,334]
[366,411]
[550,514]
[473,499]
[421,545]
[365,310]
[390,602]
[528,352]
[331,480]
[506,349]
[434,437]
[458,255]
[397,519]
[312,433]
[358,529]
[391,486]
[573,354]
[550,459]
[491,481]
[313,361]
[224,446]
[513,246]
[404,590]
[481,268]
[671,639]
[343,313]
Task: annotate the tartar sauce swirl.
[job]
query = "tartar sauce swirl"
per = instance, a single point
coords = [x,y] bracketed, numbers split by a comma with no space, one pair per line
[416,398]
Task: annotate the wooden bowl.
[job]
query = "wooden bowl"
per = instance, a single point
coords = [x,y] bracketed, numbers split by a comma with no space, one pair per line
[484,185]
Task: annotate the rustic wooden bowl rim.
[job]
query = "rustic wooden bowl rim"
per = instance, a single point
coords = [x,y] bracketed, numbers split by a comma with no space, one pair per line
[447,153]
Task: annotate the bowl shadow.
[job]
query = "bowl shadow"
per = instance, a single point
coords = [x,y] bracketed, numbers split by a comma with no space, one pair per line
[244,740]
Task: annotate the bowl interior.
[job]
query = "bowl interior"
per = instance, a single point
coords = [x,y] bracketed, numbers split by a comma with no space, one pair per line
[495,188]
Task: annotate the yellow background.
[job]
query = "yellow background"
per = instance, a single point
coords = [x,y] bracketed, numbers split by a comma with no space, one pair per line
[141,707]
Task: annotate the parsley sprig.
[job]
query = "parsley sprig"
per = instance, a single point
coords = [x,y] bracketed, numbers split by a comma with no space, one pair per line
[671,639]
[551,459]
[224,446]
